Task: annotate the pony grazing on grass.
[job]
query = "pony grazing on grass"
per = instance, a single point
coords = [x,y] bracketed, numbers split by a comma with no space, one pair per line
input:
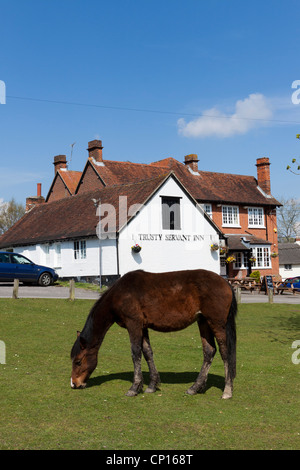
[165,302]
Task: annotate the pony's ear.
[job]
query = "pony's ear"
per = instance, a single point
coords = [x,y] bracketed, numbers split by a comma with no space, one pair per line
[82,343]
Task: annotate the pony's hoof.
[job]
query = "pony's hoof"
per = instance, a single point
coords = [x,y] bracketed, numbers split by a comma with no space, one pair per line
[131,393]
[226,395]
[150,390]
[191,391]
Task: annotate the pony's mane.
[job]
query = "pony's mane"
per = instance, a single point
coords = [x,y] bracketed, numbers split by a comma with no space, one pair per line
[87,332]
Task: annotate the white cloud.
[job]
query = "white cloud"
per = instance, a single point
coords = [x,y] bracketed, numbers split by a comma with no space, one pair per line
[249,113]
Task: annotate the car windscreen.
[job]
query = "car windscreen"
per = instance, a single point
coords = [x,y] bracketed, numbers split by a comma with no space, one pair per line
[19,259]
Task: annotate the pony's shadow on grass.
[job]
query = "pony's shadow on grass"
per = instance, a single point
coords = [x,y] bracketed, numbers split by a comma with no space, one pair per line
[216,381]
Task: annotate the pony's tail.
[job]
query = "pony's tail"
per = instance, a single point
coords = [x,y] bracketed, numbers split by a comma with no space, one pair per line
[231,336]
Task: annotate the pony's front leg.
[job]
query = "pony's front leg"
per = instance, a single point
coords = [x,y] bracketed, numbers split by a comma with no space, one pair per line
[148,354]
[136,353]
[209,350]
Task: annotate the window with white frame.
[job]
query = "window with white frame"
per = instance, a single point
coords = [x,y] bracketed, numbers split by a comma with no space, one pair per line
[208,210]
[222,266]
[255,217]
[80,249]
[262,256]
[230,215]
[240,260]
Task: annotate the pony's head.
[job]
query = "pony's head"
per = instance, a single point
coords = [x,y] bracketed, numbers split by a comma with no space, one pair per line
[84,362]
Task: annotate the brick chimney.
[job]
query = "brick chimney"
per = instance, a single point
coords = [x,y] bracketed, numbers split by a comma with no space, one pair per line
[191,161]
[263,174]
[35,200]
[95,150]
[60,161]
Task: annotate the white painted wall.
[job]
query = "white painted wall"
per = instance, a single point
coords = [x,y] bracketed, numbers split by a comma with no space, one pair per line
[168,250]
[162,250]
[66,265]
[285,273]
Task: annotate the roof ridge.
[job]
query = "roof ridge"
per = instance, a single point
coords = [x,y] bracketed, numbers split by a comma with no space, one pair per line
[126,162]
[135,183]
[84,194]
[164,159]
[227,174]
[66,170]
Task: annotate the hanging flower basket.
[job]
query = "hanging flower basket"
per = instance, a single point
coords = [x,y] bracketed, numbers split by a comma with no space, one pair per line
[214,247]
[136,248]
[252,259]
[230,259]
[223,251]
[274,254]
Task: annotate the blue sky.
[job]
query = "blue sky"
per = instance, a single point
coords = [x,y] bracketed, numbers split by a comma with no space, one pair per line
[151,79]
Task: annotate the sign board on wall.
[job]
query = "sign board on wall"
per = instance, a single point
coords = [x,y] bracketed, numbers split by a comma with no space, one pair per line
[169,237]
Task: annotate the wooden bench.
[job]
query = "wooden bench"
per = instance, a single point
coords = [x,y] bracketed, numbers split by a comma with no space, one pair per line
[248,284]
[282,289]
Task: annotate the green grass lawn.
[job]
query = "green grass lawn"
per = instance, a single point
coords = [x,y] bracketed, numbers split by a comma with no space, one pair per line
[39,410]
[81,285]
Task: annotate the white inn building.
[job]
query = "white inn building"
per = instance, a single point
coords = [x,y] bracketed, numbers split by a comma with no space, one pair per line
[90,221]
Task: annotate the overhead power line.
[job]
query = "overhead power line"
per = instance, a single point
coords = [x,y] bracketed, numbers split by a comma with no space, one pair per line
[142,110]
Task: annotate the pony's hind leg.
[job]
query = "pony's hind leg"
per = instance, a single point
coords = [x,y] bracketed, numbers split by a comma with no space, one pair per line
[228,389]
[148,354]
[227,352]
[209,350]
[226,338]
[136,339]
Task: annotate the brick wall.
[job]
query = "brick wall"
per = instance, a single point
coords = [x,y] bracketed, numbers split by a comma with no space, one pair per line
[59,190]
[269,233]
[90,181]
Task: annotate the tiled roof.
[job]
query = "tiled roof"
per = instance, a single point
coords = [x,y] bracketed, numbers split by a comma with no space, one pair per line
[114,172]
[243,242]
[289,253]
[75,216]
[71,179]
[63,218]
[204,186]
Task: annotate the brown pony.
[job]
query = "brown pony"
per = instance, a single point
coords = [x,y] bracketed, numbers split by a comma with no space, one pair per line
[164,302]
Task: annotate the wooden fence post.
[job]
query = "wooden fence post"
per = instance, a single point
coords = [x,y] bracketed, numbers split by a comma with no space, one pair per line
[72,290]
[238,294]
[15,294]
[270,294]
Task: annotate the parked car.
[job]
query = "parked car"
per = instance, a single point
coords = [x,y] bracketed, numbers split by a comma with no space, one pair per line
[16,266]
[291,280]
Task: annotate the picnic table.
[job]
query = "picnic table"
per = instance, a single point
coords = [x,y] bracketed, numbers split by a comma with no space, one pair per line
[245,283]
[281,288]
[250,284]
